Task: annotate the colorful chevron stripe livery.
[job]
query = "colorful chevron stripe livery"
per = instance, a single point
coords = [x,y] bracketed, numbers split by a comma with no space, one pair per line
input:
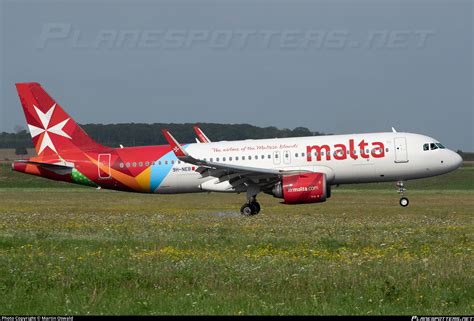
[146,179]
[58,139]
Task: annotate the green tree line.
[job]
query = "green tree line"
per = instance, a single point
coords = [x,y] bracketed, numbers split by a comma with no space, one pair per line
[137,134]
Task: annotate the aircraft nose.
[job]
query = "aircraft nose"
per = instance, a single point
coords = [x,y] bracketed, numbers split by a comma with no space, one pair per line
[457,160]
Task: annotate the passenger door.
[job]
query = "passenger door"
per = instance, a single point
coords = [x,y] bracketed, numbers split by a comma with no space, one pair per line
[287,157]
[103,166]
[276,158]
[401,152]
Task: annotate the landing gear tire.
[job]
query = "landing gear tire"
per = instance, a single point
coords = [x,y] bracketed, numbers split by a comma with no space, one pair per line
[248,209]
[401,190]
[404,202]
[257,207]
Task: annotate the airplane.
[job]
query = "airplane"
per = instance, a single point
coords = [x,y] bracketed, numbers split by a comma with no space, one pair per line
[298,170]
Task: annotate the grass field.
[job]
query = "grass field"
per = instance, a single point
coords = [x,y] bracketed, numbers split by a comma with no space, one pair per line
[71,250]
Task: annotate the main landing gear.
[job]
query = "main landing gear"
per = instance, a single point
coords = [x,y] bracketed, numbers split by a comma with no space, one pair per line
[401,190]
[250,208]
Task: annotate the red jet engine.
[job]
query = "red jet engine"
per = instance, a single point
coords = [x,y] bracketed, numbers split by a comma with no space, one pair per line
[302,188]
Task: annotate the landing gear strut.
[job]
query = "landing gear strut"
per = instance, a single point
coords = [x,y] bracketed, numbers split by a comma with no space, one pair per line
[401,190]
[252,207]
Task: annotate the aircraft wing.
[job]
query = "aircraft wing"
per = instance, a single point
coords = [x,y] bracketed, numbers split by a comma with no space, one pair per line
[235,174]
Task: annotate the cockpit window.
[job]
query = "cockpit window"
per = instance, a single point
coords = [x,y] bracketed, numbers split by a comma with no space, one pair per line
[432,146]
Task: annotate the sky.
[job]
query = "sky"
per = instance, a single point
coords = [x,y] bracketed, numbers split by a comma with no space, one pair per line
[334,66]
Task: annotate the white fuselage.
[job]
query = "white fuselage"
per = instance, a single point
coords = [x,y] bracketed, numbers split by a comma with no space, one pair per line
[403,158]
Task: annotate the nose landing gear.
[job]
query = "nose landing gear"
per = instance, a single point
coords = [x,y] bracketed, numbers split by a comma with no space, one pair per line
[401,190]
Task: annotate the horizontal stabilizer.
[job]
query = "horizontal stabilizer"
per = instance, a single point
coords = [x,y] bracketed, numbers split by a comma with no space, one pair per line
[55,168]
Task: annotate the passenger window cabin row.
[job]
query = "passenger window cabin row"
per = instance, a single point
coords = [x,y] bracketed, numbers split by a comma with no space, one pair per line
[236,158]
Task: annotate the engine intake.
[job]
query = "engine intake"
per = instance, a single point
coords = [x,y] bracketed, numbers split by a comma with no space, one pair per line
[302,188]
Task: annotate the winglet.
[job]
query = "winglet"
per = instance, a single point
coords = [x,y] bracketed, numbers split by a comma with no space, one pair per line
[202,137]
[177,149]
